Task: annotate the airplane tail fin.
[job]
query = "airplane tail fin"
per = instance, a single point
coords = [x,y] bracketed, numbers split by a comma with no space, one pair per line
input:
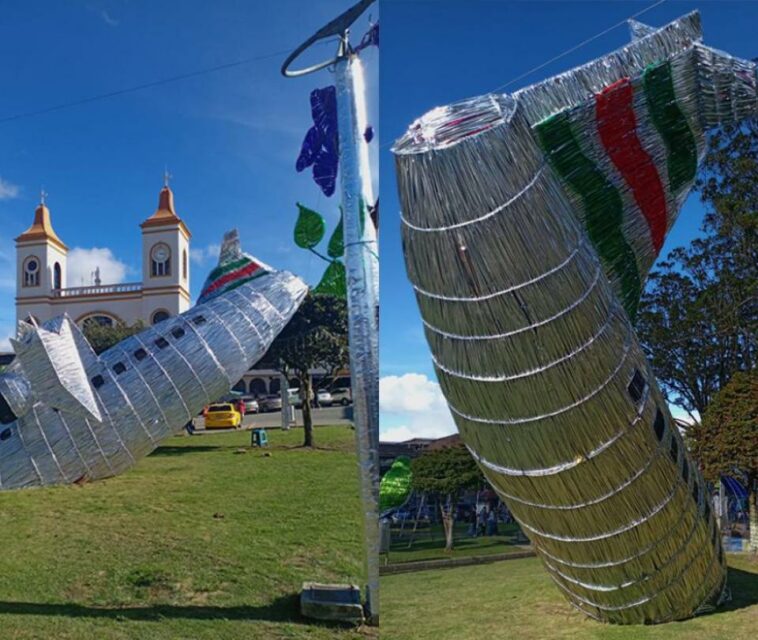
[234,269]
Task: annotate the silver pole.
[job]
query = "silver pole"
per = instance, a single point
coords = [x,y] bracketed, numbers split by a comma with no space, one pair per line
[284,387]
[362,267]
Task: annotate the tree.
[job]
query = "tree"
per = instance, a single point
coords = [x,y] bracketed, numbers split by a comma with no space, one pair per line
[103,337]
[315,337]
[726,442]
[446,472]
[699,314]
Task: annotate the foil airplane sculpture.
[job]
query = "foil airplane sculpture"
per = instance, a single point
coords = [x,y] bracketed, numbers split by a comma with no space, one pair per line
[69,415]
[530,222]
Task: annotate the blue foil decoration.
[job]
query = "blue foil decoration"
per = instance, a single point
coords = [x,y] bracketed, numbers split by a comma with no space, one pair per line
[320,147]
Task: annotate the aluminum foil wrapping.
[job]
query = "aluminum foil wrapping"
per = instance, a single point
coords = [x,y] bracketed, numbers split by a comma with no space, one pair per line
[362,270]
[72,415]
[530,222]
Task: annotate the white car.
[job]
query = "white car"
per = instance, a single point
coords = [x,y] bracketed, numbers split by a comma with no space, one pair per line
[324,398]
[251,405]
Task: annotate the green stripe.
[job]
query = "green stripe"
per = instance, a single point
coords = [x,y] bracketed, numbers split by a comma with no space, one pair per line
[232,266]
[603,206]
[671,124]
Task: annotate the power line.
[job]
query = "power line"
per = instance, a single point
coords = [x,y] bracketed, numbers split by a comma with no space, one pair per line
[564,53]
[145,85]
[620,23]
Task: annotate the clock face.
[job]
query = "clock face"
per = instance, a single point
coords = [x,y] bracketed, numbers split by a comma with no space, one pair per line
[160,253]
[31,266]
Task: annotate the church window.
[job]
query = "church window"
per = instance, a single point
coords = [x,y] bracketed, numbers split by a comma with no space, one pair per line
[177,332]
[160,260]
[185,269]
[97,320]
[198,320]
[31,272]
[119,368]
[140,354]
[57,276]
[160,316]
[161,343]
[98,381]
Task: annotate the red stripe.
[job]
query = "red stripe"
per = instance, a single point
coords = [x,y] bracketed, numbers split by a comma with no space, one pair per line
[229,277]
[617,126]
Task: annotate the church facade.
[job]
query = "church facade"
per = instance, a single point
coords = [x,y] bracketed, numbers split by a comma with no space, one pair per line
[42,291]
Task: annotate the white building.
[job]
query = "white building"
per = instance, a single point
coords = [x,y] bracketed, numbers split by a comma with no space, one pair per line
[42,292]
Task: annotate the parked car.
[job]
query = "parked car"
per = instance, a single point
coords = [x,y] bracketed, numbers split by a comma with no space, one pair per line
[294,398]
[223,416]
[324,398]
[270,403]
[251,405]
[342,395]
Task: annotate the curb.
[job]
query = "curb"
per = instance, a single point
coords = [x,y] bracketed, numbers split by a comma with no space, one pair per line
[424,565]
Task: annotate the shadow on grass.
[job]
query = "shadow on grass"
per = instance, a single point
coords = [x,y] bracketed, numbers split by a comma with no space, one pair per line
[744,587]
[283,609]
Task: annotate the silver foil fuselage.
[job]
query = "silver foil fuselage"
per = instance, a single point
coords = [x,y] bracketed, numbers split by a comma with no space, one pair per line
[147,387]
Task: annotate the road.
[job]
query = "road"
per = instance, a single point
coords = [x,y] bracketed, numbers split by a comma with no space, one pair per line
[328,415]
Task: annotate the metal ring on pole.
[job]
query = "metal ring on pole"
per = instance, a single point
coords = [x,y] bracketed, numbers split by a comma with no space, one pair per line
[336,27]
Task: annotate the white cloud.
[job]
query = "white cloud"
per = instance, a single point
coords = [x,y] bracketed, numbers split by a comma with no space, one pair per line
[204,255]
[8,190]
[83,262]
[6,333]
[412,406]
[410,392]
[108,18]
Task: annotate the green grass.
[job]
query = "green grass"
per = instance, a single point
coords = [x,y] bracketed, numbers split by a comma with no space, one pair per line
[516,599]
[429,543]
[198,541]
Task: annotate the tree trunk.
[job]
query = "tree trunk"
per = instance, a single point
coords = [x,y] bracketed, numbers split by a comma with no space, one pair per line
[448,520]
[305,397]
[752,495]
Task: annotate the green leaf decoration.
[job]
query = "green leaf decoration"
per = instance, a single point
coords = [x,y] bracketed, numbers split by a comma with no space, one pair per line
[336,247]
[395,487]
[309,229]
[333,282]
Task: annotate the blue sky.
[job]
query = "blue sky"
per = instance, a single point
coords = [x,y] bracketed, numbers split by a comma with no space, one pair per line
[434,53]
[230,139]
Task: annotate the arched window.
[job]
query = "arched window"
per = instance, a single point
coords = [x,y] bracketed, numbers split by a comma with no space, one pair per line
[31,271]
[98,320]
[275,386]
[185,270]
[160,260]
[159,316]
[257,387]
[57,276]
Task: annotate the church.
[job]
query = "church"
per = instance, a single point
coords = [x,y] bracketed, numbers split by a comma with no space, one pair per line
[42,291]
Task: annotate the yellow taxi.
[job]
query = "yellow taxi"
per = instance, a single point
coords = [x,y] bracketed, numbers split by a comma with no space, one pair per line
[222,416]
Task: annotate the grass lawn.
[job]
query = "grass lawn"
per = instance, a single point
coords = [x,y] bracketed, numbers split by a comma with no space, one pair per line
[198,541]
[429,543]
[515,599]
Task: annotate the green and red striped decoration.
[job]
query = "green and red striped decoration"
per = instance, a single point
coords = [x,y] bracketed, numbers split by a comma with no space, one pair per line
[230,275]
[617,128]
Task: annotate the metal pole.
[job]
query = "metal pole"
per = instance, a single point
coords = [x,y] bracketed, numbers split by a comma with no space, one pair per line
[362,267]
[284,387]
